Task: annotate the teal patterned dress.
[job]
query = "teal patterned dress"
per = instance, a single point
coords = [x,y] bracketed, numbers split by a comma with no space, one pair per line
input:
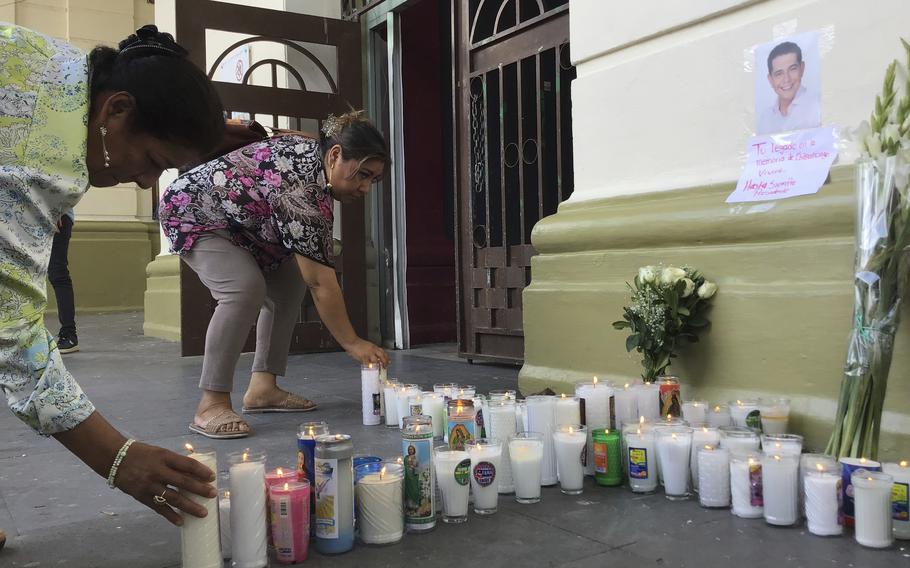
[43,129]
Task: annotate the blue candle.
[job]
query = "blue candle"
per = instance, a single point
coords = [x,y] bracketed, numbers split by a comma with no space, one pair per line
[334,494]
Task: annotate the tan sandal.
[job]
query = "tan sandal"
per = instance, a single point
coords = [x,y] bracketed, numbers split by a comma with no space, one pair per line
[293,403]
[214,428]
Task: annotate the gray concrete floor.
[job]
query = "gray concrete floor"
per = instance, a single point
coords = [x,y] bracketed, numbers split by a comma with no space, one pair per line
[59,513]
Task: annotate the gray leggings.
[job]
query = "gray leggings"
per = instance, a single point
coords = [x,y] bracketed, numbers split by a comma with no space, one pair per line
[243,290]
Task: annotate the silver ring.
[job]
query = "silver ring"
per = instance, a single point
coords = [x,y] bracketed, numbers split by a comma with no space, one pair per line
[159,499]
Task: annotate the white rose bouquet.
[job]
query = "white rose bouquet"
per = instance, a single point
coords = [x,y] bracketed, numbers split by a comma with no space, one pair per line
[668,307]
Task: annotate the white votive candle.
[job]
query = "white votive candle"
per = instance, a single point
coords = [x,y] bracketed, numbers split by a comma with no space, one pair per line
[695,411]
[714,476]
[900,498]
[434,406]
[403,401]
[486,455]
[849,466]
[780,444]
[673,446]
[719,415]
[526,455]
[822,497]
[701,437]
[200,538]
[872,506]
[739,440]
[570,441]
[453,478]
[641,458]
[542,419]
[248,510]
[568,410]
[648,395]
[780,485]
[746,485]
[380,509]
[775,415]
[810,462]
[626,405]
[597,401]
[390,396]
[369,394]
[502,426]
[745,414]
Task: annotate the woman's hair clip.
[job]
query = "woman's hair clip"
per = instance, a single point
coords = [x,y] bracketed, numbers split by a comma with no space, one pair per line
[331,126]
[148,37]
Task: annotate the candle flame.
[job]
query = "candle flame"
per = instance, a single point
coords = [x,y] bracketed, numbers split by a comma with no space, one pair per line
[606,431]
[189,447]
[400,460]
[279,472]
[595,381]
[777,445]
[751,461]
[458,407]
[286,486]
[381,472]
[862,460]
[641,419]
[819,467]
[674,435]
[709,447]
[903,463]
[717,408]
[570,430]
[627,386]
[245,456]
[638,431]
[777,458]
[227,494]
[337,436]
[563,395]
[312,431]
[669,417]
[739,402]
[370,366]
[704,429]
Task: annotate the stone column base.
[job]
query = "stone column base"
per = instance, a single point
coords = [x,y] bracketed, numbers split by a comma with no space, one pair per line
[162,298]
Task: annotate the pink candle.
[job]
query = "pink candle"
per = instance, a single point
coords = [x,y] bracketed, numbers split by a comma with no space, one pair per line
[289,505]
[277,476]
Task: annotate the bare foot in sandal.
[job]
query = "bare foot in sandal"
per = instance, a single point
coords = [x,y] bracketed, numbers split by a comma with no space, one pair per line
[215,417]
[263,395]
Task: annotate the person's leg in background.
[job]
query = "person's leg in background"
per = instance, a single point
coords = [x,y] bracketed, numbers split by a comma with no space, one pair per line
[59,276]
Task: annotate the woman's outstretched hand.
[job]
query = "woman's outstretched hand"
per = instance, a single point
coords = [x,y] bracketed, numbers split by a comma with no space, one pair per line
[366,352]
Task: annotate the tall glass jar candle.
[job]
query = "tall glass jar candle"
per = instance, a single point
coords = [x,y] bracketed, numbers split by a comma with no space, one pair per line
[461,425]
[746,485]
[502,427]
[810,462]
[626,405]
[453,477]
[334,494]
[739,440]
[419,476]
[673,447]
[701,436]
[849,466]
[670,398]
[780,485]
[695,411]
[248,510]
[405,392]
[569,441]
[378,487]
[486,457]
[745,414]
[775,415]
[790,444]
[289,508]
[648,395]
[719,415]
[597,404]
[641,457]
[822,497]
[714,476]
[607,457]
[200,537]
[390,403]
[526,455]
[542,419]
[900,497]
[370,394]
[434,406]
[872,491]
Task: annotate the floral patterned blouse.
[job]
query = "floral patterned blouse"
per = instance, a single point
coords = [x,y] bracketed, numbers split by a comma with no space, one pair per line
[270,196]
[43,129]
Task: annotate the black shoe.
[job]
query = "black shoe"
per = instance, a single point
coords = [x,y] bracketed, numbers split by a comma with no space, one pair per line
[68,343]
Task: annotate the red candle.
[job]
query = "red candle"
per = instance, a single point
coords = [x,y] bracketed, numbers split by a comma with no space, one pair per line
[289,505]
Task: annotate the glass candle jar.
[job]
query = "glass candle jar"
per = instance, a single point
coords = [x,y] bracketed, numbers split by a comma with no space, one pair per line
[419,477]
[334,493]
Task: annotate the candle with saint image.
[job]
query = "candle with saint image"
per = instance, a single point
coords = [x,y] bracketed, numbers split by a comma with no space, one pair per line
[289,507]
[714,474]
[719,415]
[569,442]
[370,394]
[641,457]
[526,455]
[900,498]
[378,487]
[849,466]
[702,436]
[822,496]
[745,414]
[673,447]
[626,402]
[695,411]
[597,405]
[746,485]
[200,538]
[669,393]
[486,455]
[453,477]
[390,395]
[872,491]
[648,395]
[780,485]
[248,510]
[775,415]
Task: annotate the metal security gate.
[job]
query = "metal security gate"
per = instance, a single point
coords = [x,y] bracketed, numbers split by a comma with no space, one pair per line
[318,73]
[513,115]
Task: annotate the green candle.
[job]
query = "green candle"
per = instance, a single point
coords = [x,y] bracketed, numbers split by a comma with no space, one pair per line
[607,461]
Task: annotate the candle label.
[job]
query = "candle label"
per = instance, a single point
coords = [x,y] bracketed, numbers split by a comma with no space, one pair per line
[670,402]
[756,497]
[326,494]
[638,463]
[419,492]
[612,412]
[753,420]
[306,450]
[478,421]
[485,474]
[463,472]
[416,409]
[377,404]
[900,502]
[581,411]
[460,431]
[601,461]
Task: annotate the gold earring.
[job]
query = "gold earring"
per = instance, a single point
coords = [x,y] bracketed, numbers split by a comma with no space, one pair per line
[107,157]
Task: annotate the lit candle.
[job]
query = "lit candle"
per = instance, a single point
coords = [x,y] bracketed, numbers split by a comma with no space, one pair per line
[521,415]
[648,395]
[378,488]
[289,504]
[403,401]
[390,396]
[667,422]
[900,498]
[480,416]
[200,538]
[695,411]
[810,462]
[670,399]
[569,441]
[719,415]
[370,394]
[673,447]
[641,457]
[306,450]
[746,485]
[872,501]
[775,415]
[278,476]
[596,406]
[486,455]
[745,414]
[626,401]
[503,394]
[526,455]
[701,437]
[714,476]
[542,419]
[453,477]
[849,466]
[434,406]
[607,457]
[822,495]
[248,510]
[465,392]
[780,485]
[334,493]
[461,425]
[568,410]
[739,440]
[503,427]
[446,389]
[224,519]
[419,479]
[789,444]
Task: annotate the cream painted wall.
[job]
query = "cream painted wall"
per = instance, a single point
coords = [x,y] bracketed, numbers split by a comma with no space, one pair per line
[664,100]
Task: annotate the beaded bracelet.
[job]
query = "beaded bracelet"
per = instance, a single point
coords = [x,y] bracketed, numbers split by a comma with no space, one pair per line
[120,455]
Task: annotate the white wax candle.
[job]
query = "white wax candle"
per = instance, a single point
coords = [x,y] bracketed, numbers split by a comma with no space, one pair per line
[673,447]
[782,444]
[648,395]
[224,519]
[775,415]
[739,440]
[570,444]
[248,513]
[597,397]
[822,489]
[380,509]
[626,402]
[526,455]
[502,426]
[200,538]
[390,391]
[695,411]
[486,455]
[745,414]
[900,498]
[714,476]
[810,462]
[568,410]
[434,406]
[641,456]
[719,415]
[542,419]
[369,394]
[746,485]
[780,485]
[453,473]
[405,392]
[702,437]
[872,508]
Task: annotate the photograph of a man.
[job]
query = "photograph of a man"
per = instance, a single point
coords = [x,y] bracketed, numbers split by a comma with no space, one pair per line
[788,98]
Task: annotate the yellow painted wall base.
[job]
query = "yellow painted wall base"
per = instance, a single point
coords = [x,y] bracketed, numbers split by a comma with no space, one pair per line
[162,298]
[780,320]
